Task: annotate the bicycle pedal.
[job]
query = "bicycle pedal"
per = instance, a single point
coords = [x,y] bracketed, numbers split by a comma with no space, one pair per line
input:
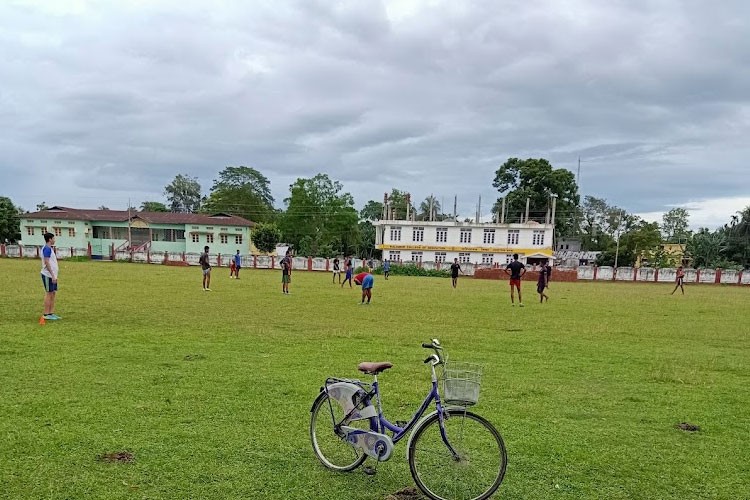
[370,471]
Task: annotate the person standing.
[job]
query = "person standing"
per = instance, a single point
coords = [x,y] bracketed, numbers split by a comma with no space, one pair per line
[366,280]
[679,279]
[286,272]
[49,277]
[348,269]
[455,269]
[541,284]
[516,270]
[336,270]
[237,264]
[386,268]
[206,267]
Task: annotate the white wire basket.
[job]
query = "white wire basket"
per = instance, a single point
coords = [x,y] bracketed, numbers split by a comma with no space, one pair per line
[461,382]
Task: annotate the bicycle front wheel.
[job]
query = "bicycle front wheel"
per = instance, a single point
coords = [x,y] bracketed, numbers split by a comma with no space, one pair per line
[477,471]
[331,448]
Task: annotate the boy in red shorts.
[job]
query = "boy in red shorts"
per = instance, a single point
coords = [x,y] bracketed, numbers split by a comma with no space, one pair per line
[516,270]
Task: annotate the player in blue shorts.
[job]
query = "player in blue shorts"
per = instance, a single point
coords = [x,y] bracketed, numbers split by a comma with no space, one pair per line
[49,277]
[367,281]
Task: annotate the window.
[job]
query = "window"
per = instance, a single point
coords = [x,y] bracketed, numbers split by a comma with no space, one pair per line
[464,258]
[44,229]
[179,234]
[513,236]
[441,235]
[417,234]
[196,238]
[58,231]
[71,232]
[210,238]
[238,239]
[489,236]
[30,231]
[101,232]
[416,256]
[224,239]
[395,233]
[538,237]
[394,255]
[508,258]
[487,258]
[71,223]
[465,236]
[58,222]
[439,257]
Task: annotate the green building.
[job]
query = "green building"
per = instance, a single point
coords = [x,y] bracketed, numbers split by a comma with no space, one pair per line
[106,230]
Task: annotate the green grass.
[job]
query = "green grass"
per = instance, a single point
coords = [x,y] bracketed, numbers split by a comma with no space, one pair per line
[211,391]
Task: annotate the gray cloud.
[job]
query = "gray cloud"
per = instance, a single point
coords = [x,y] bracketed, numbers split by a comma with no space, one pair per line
[112,101]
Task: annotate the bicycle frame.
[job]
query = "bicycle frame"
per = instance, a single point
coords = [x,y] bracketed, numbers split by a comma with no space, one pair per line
[399,432]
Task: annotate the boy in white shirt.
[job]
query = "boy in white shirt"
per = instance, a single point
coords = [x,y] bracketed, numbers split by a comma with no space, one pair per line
[49,277]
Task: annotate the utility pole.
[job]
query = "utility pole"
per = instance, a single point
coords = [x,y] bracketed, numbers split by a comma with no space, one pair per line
[578,175]
[130,237]
[502,212]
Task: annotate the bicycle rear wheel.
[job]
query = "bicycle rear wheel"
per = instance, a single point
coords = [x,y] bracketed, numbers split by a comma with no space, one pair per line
[480,466]
[331,448]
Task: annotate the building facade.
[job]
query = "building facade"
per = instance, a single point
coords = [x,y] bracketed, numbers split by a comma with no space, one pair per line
[469,242]
[108,230]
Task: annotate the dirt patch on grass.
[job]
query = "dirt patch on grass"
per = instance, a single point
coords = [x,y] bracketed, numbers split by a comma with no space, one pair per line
[687,426]
[117,457]
[194,357]
[410,493]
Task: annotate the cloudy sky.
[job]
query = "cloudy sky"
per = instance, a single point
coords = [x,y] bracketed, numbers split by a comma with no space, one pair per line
[105,102]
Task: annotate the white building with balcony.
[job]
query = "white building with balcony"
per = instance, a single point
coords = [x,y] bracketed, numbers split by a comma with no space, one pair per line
[469,242]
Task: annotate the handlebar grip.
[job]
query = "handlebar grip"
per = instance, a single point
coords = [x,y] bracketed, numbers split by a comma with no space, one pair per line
[428,346]
[428,360]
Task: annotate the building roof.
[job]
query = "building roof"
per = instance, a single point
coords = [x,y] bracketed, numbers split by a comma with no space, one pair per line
[65,213]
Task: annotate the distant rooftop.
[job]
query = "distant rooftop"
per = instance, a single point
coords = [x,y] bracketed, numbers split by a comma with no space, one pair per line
[65,213]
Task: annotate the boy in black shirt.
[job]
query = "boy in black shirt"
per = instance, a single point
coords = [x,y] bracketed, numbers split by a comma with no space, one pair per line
[516,270]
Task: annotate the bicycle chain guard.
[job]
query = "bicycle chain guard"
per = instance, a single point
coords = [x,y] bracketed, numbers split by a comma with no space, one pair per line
[378,446]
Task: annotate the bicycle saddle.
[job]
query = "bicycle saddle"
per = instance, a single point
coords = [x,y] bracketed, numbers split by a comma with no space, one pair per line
[374,368]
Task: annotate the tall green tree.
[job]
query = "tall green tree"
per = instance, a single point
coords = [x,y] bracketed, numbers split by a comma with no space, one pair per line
[10,221]
[320,217]
[737,234]
[242,191]
[674,226]
[707,247]
[430,209]
[265,237]
[533,178]
[42,206]
[183,194]
[373,210]
[153,206]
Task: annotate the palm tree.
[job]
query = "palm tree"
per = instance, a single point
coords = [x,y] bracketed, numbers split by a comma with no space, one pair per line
[429,209]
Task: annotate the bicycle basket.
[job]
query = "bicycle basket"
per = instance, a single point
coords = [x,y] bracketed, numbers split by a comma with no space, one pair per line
[461,383]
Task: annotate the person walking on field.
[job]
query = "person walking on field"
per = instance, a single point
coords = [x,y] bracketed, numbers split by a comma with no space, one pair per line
[49,277]
[541,284]
[367,281]
[232,268]
[386,268]
[237,260]
[336,270]
[678,281]
[455,269]
[348,277]
[206,268]
[286,272]
[516,270]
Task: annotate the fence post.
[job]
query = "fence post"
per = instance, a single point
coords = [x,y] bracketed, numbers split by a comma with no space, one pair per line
[327,264]
[218,260]
[255,261]
[635,273]
[698,276]
[596,271]
[273,261]
[739,277]
[88,249]
[656,275]
[148,256]
[2,250]
[309,263]
[717,279]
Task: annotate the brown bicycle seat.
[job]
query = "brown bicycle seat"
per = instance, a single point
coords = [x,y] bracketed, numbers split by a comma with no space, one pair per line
[374,368]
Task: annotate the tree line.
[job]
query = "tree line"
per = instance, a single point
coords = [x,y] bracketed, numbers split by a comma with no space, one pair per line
[319,217]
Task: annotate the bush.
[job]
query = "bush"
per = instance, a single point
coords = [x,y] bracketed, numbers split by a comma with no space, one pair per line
[412,270]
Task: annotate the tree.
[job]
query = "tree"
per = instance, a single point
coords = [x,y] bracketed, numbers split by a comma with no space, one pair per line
[10,221]
[535,179]
[42,206]
[674,225]
[242,191]
[397,201]
[706,247]
[183,194]
[265,237]
[596,223]
[373,210]
[153,206]
[429,209]
[320,216]
[737,235]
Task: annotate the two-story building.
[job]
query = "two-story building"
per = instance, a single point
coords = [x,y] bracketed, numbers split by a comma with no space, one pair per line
[105,230]
[469,242]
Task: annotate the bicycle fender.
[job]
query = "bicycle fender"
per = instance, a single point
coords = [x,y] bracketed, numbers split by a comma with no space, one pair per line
[347,395]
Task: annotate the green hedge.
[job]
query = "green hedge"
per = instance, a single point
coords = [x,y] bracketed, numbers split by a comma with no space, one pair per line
[412,270]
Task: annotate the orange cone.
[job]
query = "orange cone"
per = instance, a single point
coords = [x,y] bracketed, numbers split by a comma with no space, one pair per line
[42,321]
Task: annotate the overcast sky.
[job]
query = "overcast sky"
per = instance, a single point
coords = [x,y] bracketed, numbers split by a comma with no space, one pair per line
[102,102]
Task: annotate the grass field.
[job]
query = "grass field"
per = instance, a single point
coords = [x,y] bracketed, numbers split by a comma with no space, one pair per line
[211,391]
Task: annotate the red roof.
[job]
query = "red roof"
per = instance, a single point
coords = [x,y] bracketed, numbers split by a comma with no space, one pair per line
[151,217]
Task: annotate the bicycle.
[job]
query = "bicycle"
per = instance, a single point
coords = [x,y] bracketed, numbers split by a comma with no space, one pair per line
[452,452]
